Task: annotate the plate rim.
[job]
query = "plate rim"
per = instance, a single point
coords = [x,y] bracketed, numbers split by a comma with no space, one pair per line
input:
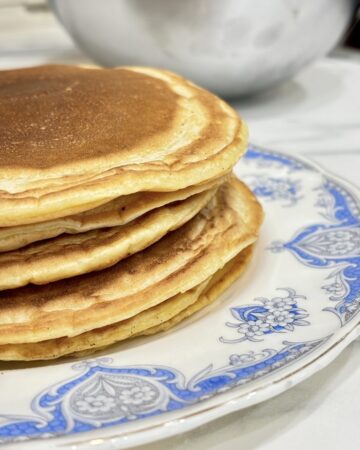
[232,401]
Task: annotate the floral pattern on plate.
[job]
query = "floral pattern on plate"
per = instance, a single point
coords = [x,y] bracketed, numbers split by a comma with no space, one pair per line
[276,315]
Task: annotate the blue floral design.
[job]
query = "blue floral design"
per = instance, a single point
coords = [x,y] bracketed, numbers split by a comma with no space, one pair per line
[333,245]
[276,315]
[103,395]
[274,188]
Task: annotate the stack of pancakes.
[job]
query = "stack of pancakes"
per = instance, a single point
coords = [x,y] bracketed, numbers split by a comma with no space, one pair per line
[119,215]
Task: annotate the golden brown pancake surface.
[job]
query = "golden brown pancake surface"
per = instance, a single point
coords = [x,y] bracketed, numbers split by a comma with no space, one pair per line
[54,115]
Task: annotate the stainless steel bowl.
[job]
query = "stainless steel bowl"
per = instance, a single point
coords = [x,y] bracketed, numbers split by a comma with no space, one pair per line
[232,47]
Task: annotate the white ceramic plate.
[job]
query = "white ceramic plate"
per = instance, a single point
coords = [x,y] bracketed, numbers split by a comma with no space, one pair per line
[292,312]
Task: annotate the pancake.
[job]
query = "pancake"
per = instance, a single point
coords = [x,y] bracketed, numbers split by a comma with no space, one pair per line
[74,138]
[117,212]
[70,255]
[151,321]
[178,262]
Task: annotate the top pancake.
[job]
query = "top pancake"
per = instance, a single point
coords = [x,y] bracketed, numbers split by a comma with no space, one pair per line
[74,138]
[78,115]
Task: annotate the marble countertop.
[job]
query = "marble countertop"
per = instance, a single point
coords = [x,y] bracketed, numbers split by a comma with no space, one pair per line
[318,115]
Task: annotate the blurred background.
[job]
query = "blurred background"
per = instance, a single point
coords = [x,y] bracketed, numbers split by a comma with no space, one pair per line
[234,48]
[290,67]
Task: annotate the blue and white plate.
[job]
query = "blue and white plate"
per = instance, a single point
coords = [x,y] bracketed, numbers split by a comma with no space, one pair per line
[292,312]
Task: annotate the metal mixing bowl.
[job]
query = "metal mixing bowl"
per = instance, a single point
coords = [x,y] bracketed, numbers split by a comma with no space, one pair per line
[232,47]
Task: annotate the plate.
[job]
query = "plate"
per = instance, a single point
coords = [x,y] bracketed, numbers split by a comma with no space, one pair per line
[288,316]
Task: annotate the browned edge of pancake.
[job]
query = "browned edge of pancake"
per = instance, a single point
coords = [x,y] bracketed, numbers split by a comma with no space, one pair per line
[162,314]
